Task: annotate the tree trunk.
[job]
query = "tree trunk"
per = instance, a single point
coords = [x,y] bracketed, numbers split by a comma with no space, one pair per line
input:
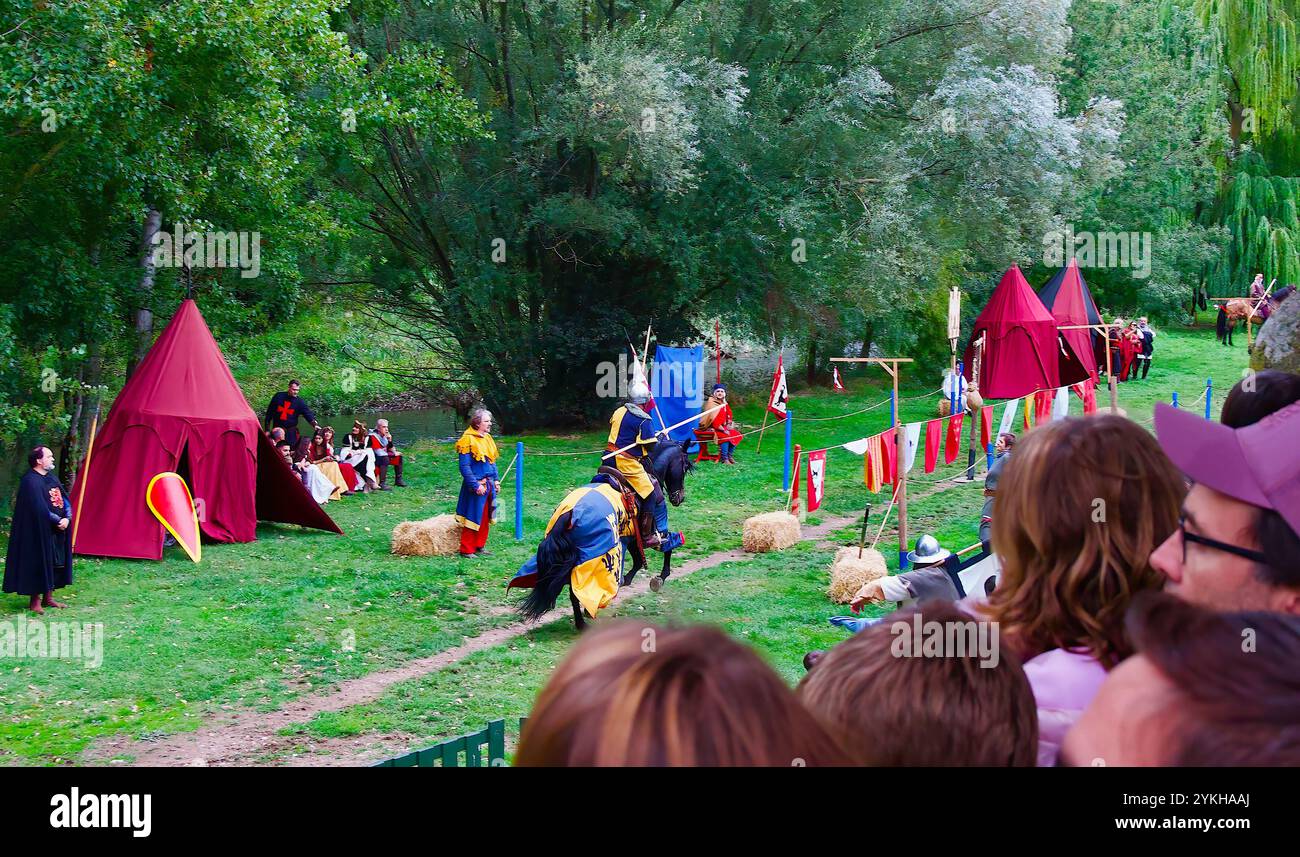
[867,336]
[144,306]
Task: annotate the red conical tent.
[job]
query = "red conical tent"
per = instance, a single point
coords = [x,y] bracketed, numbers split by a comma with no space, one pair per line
[1023,351]
[1067,297]
[182,411]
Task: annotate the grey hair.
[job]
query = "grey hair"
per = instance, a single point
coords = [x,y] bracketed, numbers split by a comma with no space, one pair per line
[477,414]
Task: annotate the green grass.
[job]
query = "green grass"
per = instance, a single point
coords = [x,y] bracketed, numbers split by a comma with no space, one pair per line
[257,624]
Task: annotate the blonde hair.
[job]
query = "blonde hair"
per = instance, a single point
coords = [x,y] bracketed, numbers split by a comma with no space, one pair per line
[1079,509]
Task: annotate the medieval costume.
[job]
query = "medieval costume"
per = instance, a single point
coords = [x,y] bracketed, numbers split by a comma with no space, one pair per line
[356,451]
[721,423]
[477,452]
[386,455]
[630,427]
[597,527]
[321,455]
[1128,349]
[40,554]
[320,488]
[1148,346]
[284,411]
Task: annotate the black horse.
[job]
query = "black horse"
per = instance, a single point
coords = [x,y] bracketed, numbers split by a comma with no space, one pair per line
[557,555]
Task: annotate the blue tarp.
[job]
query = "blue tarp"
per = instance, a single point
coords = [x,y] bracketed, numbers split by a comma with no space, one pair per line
[677,383]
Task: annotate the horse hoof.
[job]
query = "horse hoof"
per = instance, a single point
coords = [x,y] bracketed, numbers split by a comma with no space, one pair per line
[656,584]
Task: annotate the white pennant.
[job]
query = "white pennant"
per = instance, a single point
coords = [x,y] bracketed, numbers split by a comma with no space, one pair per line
[1009,416]
[1061,404]
[911,437]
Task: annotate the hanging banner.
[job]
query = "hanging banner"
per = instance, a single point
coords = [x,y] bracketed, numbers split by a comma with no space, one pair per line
[1061,404]
[953,444]
[816,478]
[986,426]
[871,464]
[889,456]
[911,438]
[1009,417]
[933,430]
[776,401]
[836,385]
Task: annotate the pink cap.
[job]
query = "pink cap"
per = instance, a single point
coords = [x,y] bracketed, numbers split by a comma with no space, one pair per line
[1257,464]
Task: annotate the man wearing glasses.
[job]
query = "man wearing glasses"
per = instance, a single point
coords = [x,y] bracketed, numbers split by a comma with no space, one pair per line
[1238,543]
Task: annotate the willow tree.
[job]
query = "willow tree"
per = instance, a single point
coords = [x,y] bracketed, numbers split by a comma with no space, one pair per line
[1259,210]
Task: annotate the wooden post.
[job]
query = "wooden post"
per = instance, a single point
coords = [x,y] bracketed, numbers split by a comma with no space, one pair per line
[758,449]
[85,477]
[791,504]
[891,365]
[1110,369]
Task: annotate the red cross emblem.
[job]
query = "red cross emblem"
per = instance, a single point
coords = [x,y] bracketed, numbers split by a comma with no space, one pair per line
[286,411]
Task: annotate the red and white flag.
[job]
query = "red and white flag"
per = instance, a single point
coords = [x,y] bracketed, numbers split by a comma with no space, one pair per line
[835,380]
[953,443]
[776,402]
[816,478]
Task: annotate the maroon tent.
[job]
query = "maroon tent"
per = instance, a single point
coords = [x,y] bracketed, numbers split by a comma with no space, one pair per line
[1023,351]
[1067,297]
[182,411]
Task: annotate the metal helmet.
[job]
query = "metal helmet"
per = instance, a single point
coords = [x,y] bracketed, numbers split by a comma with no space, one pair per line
[928,552]
[638,392]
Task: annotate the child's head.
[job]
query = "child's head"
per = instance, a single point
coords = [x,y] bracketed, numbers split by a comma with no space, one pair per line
[891,698]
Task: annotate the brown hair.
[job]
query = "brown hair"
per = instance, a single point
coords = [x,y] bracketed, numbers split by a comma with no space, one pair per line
[1079,509]
[635,694]
[891,710]
[1237,702]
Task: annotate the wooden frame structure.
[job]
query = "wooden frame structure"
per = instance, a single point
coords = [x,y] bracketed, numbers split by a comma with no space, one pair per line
[1110,371]
[891,365]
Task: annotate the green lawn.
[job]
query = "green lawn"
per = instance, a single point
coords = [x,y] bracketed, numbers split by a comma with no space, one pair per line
[257,624]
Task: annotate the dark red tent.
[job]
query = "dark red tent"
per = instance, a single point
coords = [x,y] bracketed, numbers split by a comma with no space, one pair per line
[1067,297]
[182,411]
[1023,350]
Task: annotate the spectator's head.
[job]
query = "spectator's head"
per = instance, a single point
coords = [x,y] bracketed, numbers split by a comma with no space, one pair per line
[480,419]
[286,451]
[294,387]
[381,426]
[638,695]
[277,435]
[358,428]
[329,435]
[1079,508]
[1239,544]
[1005,442]
[1205,688]
[40,458]
[888,705]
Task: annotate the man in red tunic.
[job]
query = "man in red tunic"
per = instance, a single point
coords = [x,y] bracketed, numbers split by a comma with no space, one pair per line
[722,424]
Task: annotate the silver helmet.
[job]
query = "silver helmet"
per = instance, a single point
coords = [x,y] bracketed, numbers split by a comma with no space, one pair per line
[928,552]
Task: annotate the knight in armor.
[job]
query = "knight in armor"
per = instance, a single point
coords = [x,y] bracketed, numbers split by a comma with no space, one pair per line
[630,427]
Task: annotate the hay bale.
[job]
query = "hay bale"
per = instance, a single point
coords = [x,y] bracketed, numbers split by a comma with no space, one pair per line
[436,536]
[944,408]
[849,572]
[771,531]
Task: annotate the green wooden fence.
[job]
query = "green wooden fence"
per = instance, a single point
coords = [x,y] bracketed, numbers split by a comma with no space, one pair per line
[466,751]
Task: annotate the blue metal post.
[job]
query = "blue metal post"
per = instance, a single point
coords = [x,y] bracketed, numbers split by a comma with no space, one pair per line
[956,385]
[519,490]
[893,409]
[785,478]
[1209,395]
[988,460]
[1175,399]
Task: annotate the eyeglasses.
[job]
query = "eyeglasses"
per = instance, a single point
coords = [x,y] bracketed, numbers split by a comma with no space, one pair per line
[1245,553]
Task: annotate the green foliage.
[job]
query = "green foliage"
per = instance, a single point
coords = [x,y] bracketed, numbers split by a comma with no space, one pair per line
[1259,211]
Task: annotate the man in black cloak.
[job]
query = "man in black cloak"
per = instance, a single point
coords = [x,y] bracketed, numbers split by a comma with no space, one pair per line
[284,411]
[40,542]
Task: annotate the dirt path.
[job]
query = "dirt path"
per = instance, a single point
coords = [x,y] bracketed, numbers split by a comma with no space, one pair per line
[250,737]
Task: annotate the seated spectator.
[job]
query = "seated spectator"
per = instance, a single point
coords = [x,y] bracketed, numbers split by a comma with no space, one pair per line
[350,475]
[317,485]
[386,455]
[636,695]
[1237,546]
[1195,694]
[722,424]
[1080,507]
[962,708]
[320,454]
[357,452]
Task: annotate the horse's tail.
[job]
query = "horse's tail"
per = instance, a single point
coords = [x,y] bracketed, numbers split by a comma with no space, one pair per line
[556,557]
[1221,325]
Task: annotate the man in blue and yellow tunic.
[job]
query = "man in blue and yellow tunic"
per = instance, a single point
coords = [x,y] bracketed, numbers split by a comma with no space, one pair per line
[630,427]
[598,526]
